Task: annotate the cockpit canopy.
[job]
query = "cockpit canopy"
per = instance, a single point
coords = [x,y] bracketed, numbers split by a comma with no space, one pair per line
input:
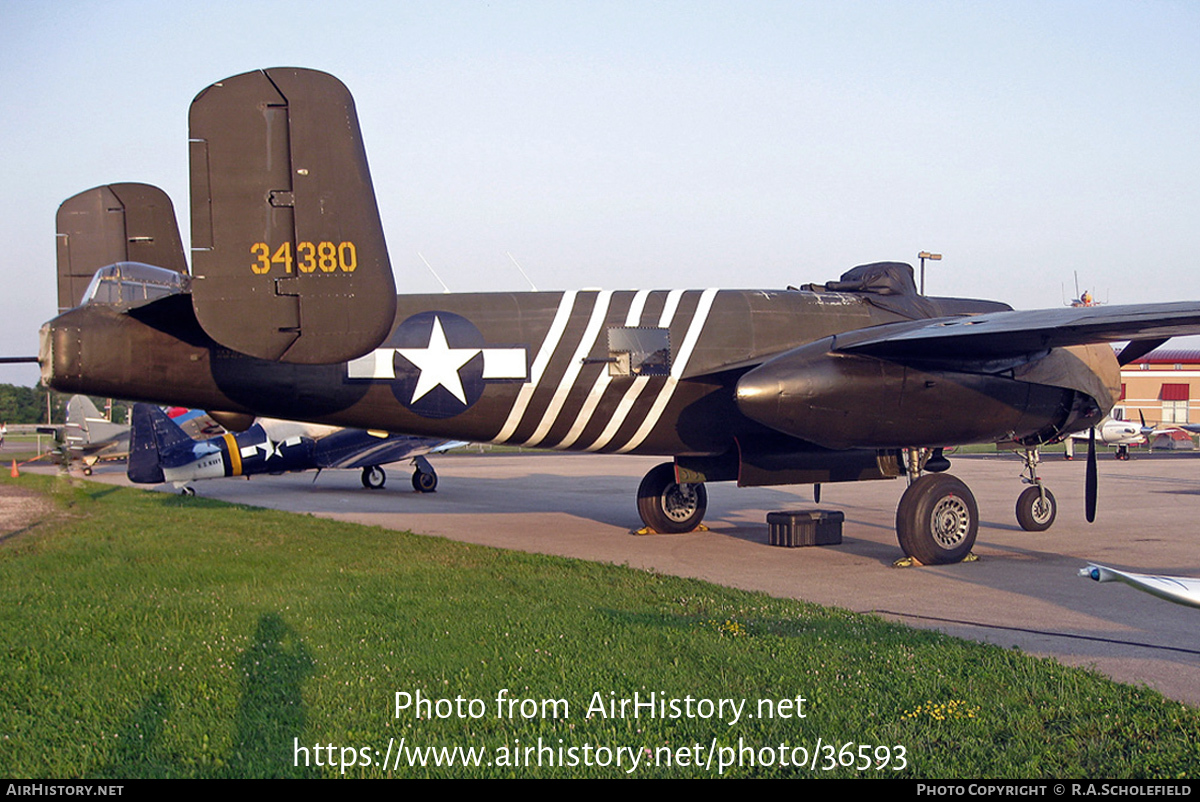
[133,284]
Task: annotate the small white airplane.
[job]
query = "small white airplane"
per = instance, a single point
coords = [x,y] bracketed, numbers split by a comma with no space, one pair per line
[1112,431]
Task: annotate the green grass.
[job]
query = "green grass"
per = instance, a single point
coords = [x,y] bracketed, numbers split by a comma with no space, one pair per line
[149,635]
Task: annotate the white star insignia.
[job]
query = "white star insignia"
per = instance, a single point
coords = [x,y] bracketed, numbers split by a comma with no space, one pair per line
[269,448]
[439,364]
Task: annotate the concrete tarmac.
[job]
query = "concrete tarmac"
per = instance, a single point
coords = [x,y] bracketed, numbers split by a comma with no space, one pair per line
[1023,591]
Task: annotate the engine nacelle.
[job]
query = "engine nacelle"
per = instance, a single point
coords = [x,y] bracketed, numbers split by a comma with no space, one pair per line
[841,400]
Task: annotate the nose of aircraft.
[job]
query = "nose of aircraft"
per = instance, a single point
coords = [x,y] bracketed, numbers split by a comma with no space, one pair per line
[757,394]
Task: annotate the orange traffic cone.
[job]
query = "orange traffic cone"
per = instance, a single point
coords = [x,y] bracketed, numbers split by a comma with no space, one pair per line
[15,472]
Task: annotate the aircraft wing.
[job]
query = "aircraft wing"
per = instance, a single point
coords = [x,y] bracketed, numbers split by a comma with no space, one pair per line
[1179,589]
[356,448]
[1002,334]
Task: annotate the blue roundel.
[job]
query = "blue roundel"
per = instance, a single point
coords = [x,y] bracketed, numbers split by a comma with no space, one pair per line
[438,364]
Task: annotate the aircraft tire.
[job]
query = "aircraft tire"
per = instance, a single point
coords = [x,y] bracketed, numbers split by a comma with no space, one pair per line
[1032,514]
[668,507]
[373,477]
[187,491]
[424,482]
[87,470]
[937,520]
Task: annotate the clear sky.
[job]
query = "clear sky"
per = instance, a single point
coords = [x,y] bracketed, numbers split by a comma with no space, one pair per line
[644,144]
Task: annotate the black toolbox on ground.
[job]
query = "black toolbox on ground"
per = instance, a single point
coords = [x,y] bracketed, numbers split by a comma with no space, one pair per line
[794,528]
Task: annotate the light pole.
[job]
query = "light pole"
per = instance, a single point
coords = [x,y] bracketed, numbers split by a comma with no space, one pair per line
[923,255]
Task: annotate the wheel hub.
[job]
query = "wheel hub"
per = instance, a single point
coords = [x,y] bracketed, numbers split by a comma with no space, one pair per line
[1041,510]
[950,522]
[680,502]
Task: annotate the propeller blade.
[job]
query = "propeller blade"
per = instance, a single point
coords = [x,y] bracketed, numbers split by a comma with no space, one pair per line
[1146,430]
[1137,349]
[817,493]
[1089,489]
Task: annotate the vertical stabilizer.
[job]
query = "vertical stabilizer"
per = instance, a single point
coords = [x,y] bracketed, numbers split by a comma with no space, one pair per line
[153,435]
[288,257]
[86,426]
[109,224]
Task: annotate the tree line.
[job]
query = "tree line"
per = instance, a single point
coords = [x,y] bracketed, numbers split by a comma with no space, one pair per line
[28,405]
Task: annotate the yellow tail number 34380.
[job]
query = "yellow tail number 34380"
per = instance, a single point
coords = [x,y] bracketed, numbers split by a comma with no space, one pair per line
[323,256]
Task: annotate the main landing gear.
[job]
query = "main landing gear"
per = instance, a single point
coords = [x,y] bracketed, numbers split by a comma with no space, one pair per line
[668,507]
[937,518]
[424,478]
[936,521]
[424,481]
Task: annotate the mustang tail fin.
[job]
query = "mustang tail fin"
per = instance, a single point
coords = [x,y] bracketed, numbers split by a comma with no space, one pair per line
[289,261]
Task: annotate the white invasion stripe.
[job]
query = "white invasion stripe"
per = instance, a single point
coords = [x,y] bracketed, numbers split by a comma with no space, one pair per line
[677,368]
[668,312]
[504,363]
[639,384]
[561,317]
[597,392]
[635,309]
[550,416]
[378,364]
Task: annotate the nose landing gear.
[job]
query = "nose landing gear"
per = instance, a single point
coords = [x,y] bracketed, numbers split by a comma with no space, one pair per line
[1036,507]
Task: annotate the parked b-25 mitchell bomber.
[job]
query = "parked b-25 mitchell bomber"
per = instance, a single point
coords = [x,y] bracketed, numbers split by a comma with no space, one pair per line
[290,311]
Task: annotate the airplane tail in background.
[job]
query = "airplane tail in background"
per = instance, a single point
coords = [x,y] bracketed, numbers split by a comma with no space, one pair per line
[88,432]
[153,436]
[289,261]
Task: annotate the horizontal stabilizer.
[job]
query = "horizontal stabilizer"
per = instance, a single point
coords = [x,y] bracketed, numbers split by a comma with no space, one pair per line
[109,224]
[289,261]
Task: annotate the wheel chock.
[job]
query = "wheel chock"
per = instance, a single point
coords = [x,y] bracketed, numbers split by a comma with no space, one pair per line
[913,562]
[645,530]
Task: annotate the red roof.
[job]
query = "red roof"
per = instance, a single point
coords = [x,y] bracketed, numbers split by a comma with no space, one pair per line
[1169,356]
